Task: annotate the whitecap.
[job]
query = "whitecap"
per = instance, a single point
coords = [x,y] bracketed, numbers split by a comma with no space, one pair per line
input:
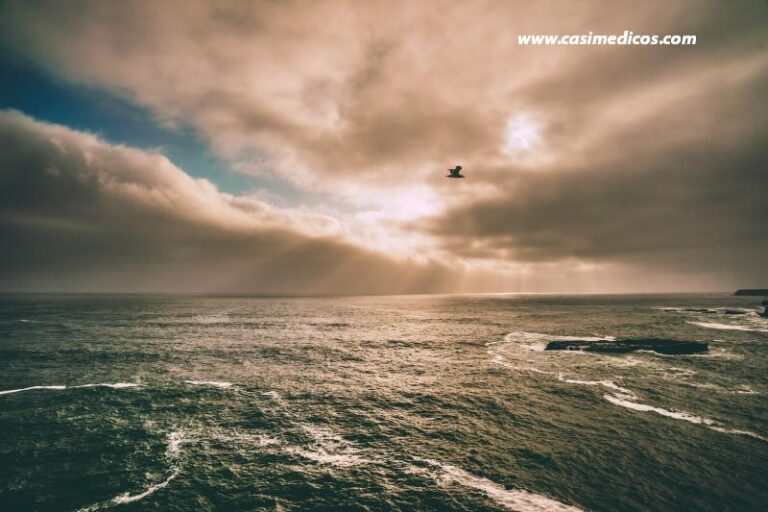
[175,440]
[605,383]
[115,385]
[333,459]
[538,342]
[247,438]
[744,389]
[741,389]
[676,372]
[629,403]
[31,388]
[739,432]
[713,352]
[727,327]
[625,362]
[498,359]
[329,448]
[124,498]
[513,499]
[532,369]
[680,415]
[130,498]
[518,336]
[214,383]
[501,360]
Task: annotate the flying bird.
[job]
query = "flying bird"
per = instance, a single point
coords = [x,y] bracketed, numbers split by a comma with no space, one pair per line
[455,172]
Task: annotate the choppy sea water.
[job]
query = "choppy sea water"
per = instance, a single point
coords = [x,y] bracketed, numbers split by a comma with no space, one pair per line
[379,403]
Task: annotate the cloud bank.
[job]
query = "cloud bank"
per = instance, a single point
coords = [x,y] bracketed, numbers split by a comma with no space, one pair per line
[589,168]
[79,214]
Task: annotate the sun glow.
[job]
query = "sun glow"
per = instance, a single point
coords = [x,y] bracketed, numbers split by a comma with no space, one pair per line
[522,134]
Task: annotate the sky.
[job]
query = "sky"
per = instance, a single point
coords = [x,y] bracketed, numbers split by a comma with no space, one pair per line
[287,147]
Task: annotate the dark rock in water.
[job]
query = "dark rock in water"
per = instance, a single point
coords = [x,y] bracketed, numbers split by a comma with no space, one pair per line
[735,312]
[753,292]
[624,345]
[765,313]
[692,310]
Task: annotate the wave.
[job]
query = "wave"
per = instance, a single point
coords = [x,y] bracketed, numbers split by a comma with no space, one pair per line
[329,448]
[250,439]
[713,311]
[680,415]
[737,431]
[175,440]
[31,388]
[502,361]
[334,459]
[116,385]
[727,327]
[512,499]
[605,383]
[538,342]
[629,403]
[214,383]
[130,498]
[713,352]
[741,389]
[681,376]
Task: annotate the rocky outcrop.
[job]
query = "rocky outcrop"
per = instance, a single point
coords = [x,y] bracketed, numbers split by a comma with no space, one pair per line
[753,292]
[624,345]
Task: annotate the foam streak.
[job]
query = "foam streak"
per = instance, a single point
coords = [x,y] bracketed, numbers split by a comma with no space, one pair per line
[512,499]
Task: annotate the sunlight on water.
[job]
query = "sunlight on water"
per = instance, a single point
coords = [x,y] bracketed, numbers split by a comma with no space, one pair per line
[385,403]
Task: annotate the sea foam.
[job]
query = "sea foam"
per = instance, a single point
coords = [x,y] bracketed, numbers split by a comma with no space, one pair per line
[727,327]
[115,385]
[130,498]
[31,388]
[605,383]
[512,499]
[329,448]
[630,403]
[214,383]
[175,440]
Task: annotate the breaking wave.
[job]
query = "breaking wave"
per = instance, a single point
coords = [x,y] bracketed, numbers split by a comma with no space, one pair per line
[538,342]
[214,383]
[512,499]
[31,388]
[605,383]
[173,451]
[116,385]
[727,327]
[630,403]
[327,447]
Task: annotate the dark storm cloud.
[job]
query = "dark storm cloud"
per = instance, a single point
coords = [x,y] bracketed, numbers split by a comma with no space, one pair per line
[683,190]
[79,214]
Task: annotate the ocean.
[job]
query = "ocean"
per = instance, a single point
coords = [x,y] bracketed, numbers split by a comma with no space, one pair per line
[449,402]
